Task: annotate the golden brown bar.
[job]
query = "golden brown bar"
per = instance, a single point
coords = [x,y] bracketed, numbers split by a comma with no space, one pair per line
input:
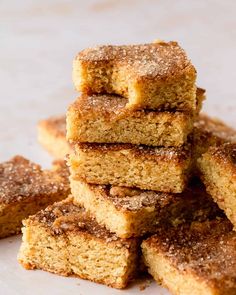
[52,136]
[210,131]
[99,118]
[134,212]
[65,240]
[218,172]
[150,168]
[25,189]
[199,259]
[155,76]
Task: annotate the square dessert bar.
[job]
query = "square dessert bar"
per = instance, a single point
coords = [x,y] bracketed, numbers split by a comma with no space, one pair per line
[151,168]
[52,136]
[194,260]
[210,132]
[65,240]
[101,119]
[218,172]
[25,189]
[155,76]
[133,212]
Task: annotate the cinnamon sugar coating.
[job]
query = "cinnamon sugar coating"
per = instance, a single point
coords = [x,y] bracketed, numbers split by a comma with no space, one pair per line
[174,154]
[193,204]
[25,189]
[210,131]
[134,199]
[222,158]
[226,154]
[149,60]
[111,106]
[107,104]
[156,76]
[64,217]
[21,179]
[204,251]
[131,212]
[117,124]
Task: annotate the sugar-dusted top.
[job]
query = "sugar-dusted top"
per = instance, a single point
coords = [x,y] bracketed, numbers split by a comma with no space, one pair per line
[113,106]
[64,217]
[133,199]
[154,60]
[56,125]
[21,179]
[207,250]
[207,127]
[106,104]
[193,204]
[176,154]
[225,153]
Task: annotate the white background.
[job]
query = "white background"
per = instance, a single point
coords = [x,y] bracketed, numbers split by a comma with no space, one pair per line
[38,40]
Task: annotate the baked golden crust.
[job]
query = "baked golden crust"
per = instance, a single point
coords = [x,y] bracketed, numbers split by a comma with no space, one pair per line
[218,172]
[210,132]
[215,127]
[134,212]
[25,188]
[20,178]
[65,216]
[174,154]
[225,153]
[200,259]
[155,75]
[79,246]
[114,125]
[149,61]
[126,198]
[151,168]
[52,136]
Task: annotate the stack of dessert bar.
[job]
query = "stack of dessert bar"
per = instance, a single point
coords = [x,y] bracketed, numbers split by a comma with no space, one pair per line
[130,130]
[130,126]
[135,136]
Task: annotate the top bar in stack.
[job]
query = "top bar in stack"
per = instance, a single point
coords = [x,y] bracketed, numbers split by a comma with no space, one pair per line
[152,76]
